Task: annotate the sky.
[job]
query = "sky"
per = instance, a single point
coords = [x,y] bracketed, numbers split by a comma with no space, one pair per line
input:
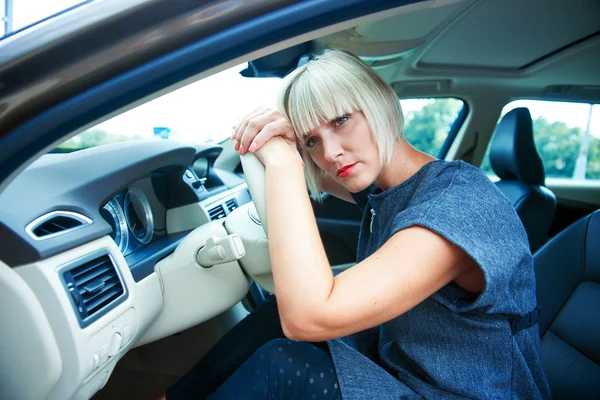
[208,108]
[27,12]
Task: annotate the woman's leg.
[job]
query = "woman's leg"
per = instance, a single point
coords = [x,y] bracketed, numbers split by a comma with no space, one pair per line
[233,349]
[283,369]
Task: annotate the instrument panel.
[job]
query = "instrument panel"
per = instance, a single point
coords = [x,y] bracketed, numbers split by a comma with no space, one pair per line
[137,214]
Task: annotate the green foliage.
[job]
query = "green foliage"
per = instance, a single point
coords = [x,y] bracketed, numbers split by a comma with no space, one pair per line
[593,166]
[427,128]
[92,138]
[558,146]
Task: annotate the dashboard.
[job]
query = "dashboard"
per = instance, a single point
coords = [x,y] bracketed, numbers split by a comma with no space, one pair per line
[135,220]
[101,246]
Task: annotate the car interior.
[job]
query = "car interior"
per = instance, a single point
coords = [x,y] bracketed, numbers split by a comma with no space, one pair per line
[123,263]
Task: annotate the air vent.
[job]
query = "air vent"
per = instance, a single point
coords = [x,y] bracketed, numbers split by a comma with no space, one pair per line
[217,212]
[231,205]
[56,223]
[95,288]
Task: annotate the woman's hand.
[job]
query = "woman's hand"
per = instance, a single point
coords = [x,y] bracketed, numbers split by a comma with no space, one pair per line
[256,129]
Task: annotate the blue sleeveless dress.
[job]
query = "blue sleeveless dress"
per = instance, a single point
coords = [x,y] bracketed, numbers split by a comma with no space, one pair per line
[453,345]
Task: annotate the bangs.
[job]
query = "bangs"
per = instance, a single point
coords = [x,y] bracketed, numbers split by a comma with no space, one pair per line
[317,97]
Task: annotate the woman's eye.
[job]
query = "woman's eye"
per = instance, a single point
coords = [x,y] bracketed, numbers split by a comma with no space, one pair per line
[311,142]
[340,121]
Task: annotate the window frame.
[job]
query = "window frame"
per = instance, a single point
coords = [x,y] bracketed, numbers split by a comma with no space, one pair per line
[559,181]
[455,127]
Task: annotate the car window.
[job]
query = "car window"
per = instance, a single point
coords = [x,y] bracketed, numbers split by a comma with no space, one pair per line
[427,122]
[18,14]
[207,109]
[202,111]
[567,136]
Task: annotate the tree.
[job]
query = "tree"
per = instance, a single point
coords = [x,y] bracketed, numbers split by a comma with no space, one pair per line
[593,167]
[92,138]
[428,128]
[559,146]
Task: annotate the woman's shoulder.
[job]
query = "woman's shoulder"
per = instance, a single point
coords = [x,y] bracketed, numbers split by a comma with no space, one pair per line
[461,195]
[441,180]
[458,170]
[461,180]
[464,196]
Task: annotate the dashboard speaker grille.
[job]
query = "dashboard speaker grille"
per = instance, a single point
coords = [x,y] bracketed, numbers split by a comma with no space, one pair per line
[94,286]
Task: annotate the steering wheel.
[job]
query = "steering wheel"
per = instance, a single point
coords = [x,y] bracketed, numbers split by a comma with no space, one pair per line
[254,171]
[250,222]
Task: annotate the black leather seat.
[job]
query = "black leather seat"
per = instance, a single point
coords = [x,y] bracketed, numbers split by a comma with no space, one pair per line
[516,161]
[568,288]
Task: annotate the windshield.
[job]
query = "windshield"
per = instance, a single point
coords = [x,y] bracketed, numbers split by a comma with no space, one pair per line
[19,14]
[202,111]
[206,111]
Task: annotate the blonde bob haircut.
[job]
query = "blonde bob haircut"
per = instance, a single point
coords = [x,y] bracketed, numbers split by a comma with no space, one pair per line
[331,85]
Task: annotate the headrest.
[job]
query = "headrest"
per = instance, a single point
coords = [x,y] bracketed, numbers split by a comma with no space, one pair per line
[513,155]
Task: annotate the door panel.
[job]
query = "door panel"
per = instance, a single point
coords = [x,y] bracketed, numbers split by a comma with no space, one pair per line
[339,224]
[575,199]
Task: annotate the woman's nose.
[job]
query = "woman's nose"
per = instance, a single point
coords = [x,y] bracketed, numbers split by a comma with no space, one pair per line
[332,149]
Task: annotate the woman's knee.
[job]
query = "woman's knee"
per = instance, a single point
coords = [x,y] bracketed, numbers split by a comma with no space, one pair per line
[278,351]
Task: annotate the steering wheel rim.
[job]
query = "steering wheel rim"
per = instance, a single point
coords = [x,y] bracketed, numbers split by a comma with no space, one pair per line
[254,171]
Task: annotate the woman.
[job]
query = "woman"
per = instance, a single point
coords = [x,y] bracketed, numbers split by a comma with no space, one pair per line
[441,303]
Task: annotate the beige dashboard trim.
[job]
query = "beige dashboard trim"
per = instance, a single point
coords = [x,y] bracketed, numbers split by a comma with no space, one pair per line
[86,364]
[30,364]
[194,294]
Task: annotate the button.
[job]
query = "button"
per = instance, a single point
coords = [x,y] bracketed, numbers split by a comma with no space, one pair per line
[239,245]
[197,185]
[188,174]
[95,361]
[126,335]
[115,344]
[103,353]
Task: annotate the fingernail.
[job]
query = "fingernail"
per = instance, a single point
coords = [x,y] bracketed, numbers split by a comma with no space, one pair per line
[232,135]
[236,146]
[242,150]
[252,147]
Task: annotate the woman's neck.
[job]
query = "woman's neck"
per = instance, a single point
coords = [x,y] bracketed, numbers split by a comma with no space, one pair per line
[405,162]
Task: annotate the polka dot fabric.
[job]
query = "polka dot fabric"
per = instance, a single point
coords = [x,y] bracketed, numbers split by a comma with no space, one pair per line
[283,370]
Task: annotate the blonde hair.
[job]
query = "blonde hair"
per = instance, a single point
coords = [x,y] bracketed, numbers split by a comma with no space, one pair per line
[331,85]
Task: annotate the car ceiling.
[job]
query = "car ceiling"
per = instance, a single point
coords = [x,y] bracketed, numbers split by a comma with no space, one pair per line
[537,48]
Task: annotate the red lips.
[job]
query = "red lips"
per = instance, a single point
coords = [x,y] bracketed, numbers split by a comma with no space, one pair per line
[345,170]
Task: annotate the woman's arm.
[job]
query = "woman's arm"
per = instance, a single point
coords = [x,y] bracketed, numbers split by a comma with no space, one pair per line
[413,264]
[313,305]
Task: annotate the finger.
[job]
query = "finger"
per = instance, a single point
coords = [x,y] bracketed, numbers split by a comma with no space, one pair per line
[254,126]
[267,133]
[244,124]
[239,121]
[241,126]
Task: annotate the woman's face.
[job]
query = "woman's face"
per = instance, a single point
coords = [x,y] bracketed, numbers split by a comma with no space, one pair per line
[344,148]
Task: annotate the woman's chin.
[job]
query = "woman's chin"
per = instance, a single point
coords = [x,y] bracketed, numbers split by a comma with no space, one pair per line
[356,185]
